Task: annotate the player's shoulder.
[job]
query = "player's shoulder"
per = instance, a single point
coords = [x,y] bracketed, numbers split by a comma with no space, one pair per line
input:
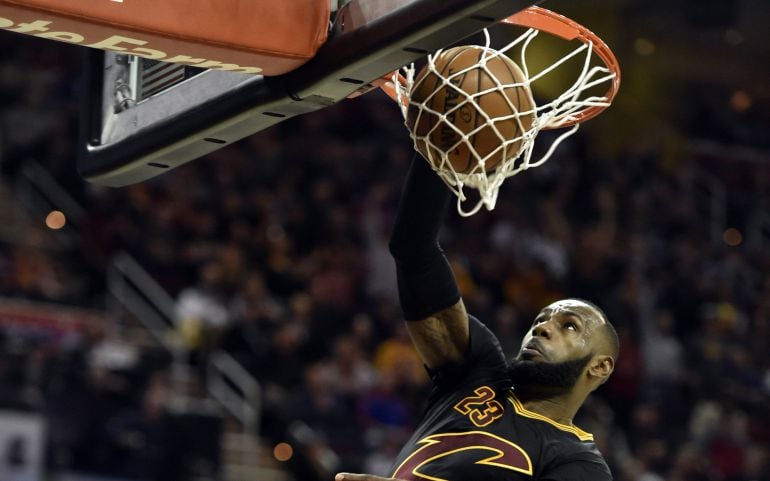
[484,346]
[484,360]
[578,465]
[567,452]
[574,458]
[484,364]
[550,430]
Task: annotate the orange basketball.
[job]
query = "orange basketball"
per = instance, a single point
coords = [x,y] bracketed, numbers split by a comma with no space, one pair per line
[429,92]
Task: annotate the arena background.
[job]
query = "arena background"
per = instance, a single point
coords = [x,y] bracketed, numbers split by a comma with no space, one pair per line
[274,251]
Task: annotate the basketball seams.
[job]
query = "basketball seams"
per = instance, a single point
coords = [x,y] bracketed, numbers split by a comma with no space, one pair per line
[495,98]
[519,76]
[440,77]
[448,84]
[476,114]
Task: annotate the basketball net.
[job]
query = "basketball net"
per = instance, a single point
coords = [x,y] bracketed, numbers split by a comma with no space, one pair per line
[564,112]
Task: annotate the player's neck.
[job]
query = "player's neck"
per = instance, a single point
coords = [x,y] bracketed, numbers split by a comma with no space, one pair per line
[561,408]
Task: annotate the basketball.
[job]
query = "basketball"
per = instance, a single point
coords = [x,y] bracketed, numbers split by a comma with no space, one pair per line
[471,72]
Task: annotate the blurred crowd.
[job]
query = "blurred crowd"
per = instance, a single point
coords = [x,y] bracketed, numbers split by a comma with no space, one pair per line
[275,250]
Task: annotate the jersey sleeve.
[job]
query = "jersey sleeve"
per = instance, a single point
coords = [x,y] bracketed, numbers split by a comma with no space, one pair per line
[579,470]
[484,361]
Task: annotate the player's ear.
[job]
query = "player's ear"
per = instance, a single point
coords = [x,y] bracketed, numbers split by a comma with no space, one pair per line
[601,367]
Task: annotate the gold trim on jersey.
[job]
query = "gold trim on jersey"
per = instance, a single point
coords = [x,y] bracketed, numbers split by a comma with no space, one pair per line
[521,410]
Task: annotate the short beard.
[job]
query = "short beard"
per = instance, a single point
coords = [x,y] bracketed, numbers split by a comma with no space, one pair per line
[553,378]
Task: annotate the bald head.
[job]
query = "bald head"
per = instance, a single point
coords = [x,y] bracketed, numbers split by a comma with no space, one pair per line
[602,334]
[608,342]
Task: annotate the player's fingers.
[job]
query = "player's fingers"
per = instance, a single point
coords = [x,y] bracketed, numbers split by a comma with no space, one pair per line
[356,477]
[361,477]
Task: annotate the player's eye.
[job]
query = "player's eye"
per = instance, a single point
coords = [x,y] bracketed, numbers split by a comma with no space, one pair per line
[570,325]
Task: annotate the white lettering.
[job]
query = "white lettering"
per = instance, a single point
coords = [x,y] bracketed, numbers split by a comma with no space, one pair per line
[36,26]
[118,43]
[230,67]
[62,36]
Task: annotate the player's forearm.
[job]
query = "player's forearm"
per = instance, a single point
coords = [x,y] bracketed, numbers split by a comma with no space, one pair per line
[423,207]
[426,282]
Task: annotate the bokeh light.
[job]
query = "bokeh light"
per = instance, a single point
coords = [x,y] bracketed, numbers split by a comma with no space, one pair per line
[55,220]
[732,237]
[283,452]
[644,46]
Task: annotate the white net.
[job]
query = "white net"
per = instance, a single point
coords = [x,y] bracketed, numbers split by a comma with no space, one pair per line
[516,152]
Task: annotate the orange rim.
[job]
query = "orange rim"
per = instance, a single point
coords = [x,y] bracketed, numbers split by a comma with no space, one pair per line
[555,24]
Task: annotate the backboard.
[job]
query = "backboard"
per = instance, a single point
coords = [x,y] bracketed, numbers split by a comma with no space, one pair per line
[142,118]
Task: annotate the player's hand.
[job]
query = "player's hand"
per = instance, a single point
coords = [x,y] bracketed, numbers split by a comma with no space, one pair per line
[361,477]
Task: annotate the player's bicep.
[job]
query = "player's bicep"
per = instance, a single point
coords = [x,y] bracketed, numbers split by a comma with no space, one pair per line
[443,337]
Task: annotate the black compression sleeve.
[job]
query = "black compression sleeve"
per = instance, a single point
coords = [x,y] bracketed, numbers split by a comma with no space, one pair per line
[426,283]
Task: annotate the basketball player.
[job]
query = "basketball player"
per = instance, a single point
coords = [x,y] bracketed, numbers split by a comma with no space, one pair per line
[487,419]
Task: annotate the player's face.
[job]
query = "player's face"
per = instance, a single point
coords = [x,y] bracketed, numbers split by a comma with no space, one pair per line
[561,332]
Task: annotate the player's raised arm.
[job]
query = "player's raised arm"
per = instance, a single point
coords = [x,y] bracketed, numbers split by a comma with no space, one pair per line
[430,299]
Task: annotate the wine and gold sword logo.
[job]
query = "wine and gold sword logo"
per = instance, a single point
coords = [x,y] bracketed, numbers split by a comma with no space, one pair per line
[492,451]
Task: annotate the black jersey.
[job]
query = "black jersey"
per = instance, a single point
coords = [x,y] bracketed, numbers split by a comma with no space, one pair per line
[475,429]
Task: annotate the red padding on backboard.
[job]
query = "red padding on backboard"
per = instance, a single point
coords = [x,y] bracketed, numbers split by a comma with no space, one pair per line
[269,37]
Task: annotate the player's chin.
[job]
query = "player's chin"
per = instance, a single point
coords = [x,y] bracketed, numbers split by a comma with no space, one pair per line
[530,355]
[527,359]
